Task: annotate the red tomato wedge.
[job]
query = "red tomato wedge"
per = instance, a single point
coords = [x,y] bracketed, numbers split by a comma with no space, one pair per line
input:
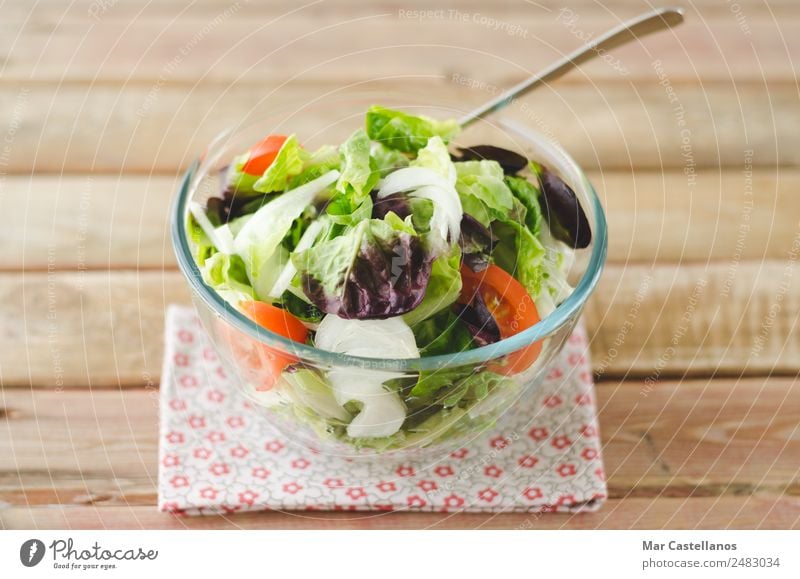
[512,308]
[260,364]
[275,319]
[263,154]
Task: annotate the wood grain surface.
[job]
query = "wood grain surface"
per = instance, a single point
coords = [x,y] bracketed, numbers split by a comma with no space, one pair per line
[691,137]
[122,222]
[151,128]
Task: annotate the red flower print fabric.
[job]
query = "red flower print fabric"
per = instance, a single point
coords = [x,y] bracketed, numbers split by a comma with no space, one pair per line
[219,456]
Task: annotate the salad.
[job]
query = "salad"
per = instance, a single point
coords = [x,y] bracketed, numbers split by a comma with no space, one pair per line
[387,246]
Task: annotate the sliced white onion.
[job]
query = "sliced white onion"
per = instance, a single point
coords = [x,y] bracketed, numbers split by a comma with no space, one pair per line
[220,236]
[427,184]
[225,235]
[283,210]
[382,412]
[285,278]
[367,338]
[410,178]
[447,210]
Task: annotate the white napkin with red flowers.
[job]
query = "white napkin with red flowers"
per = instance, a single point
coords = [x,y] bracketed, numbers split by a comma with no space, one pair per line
[218,455]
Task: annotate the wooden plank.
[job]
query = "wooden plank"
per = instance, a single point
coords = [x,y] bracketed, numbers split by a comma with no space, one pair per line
[54,9]
[227,46]
[115,222]
[661,513]
[66,444]
[105,328]
[87,222]
[739,318]
[655,217]
[714,438]
[82,128]
[85,328]
[701,437]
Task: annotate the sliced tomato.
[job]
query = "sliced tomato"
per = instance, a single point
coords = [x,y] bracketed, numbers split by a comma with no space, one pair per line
[275,319]
[261,364]
[263,154]
[512,308]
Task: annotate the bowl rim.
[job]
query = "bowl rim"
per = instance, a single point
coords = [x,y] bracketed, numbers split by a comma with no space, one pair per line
[542,329]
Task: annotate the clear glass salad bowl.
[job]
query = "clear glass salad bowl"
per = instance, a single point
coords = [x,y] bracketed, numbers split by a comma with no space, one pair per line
[512,367]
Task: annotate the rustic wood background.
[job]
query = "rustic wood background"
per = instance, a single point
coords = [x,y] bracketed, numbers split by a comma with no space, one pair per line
[694,328]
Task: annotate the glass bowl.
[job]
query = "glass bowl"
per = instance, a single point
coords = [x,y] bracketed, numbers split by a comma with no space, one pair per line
[301,410]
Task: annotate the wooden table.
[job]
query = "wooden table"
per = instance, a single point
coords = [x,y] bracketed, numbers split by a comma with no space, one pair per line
[694,328]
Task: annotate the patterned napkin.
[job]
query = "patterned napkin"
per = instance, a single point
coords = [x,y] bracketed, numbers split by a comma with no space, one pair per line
[218,455]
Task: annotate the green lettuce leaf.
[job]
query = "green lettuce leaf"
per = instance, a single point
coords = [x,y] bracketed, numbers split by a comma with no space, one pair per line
[479,168]
[435,426]
[308,389]
[421,213]
[483,191]
[344,210]
[434,156]
[258,242]
[227,275]
[528,194]
[443,333]
[454,387]
[237,181]
[300,308]
[520,253]
[202,246]
[404,132]
[287,164]
[359,172]
[321,161]
[387,159]
[443,289]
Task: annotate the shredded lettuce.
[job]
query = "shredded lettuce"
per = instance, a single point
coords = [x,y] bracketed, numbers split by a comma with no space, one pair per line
[520,253]
[556,264]
[365,243]
[226,273]
[455,386]
[434,156]
[482,181]
[443,288]
[346,210]
[387,159]
[202,246]
[237,182]
[404,132]
[259,240]
[307,388]
[359,172]
[321,161]
[443,333]
[528,194]
[287,164]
